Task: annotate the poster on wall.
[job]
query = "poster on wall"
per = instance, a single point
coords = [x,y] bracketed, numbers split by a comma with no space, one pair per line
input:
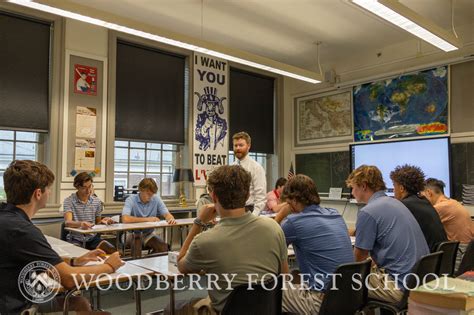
[407,106]
[86,122]
[211,115]
[85,155]
[85,80]
[323,117]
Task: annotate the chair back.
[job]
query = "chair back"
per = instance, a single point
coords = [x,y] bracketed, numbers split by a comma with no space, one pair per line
[426,269]
[263,299]
[349,296]
[467,262]
[448,259]
[63,233]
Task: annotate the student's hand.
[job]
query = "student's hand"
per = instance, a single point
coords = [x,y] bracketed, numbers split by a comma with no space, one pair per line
[93,255]
[171,220]
[107,221]
[285,209]
[86,225]
[208,213]
[154,219]
[114,261]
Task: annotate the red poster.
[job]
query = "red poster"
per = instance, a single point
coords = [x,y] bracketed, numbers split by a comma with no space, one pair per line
[85,80]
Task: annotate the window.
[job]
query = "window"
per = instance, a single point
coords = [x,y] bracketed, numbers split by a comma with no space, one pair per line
[16,145]
[137,160]
[261,158]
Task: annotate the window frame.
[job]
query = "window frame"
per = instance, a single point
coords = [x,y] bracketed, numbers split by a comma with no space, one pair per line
[131,145]
[15,141]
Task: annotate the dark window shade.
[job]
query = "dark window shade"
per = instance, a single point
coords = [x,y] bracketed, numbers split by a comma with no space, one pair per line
[251,108]
[149,94]
[24,73]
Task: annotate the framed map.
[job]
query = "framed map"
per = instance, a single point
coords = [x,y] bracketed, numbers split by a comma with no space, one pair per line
[410,105]
[323,118]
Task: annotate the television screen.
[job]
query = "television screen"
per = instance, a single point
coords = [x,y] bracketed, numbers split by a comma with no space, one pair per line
[431,155]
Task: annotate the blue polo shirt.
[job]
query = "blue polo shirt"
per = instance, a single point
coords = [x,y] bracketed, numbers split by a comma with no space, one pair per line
[388,230]
[136,208]
[321,243]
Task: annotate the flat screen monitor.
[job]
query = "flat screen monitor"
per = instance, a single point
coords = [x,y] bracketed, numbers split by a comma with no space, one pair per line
[431,155]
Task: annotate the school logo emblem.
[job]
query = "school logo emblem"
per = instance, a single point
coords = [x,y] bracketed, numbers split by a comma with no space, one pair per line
[38,282]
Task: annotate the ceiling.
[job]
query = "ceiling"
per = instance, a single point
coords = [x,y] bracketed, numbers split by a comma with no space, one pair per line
[287,30]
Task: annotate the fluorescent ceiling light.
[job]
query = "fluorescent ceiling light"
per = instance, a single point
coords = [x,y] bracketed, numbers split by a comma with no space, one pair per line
[308,76]
[402,16]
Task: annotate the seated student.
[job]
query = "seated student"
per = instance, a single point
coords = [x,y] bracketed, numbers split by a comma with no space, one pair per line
[27,186]
[408,182]
[241,243]
[454,216]
[204,199]
[320,239]
[81,210]
[146,206]
[387,231]
[274,202]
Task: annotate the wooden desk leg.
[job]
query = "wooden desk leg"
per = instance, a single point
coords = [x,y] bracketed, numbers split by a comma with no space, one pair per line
[138,298]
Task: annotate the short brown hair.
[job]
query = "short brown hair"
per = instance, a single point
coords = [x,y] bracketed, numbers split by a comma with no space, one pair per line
[231,185]
[23,177]
[410,177]
[242,135]
[82,178]
[369,175]
[280,182]
[301,188]
[148,184]
[436,185]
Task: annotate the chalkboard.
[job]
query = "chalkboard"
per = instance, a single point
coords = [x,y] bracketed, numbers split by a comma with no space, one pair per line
[326,169]
[462,167]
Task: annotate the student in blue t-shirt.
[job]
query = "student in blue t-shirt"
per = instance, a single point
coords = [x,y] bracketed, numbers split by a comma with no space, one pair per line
[387,232]
[146,206]
[320,239]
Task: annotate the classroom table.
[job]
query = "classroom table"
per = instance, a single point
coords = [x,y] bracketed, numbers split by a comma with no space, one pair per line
[124,273]
[161,266]
[124,227]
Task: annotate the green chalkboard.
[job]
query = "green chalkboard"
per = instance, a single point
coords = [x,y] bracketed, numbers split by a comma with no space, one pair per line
[326,169]
[462,167]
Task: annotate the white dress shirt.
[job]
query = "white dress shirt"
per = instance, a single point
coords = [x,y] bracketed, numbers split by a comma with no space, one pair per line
[258,185]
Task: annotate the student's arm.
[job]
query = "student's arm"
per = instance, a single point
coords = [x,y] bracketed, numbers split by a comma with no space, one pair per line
[163,210]
[283,212]
[360,254]
[170,218]
[86,273]
[284,267]
[278,207]
[259,189]
[207,214]
[69,222]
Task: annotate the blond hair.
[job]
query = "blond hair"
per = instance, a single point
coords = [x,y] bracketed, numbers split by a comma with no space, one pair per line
[369,175]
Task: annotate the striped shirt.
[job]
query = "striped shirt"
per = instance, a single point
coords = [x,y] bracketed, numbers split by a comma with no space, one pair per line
[83,211]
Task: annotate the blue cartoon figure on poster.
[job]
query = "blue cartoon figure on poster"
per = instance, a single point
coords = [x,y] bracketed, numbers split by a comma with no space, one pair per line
[211,129]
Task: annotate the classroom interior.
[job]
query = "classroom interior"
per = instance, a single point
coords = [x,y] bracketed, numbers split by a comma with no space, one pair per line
[344,45]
